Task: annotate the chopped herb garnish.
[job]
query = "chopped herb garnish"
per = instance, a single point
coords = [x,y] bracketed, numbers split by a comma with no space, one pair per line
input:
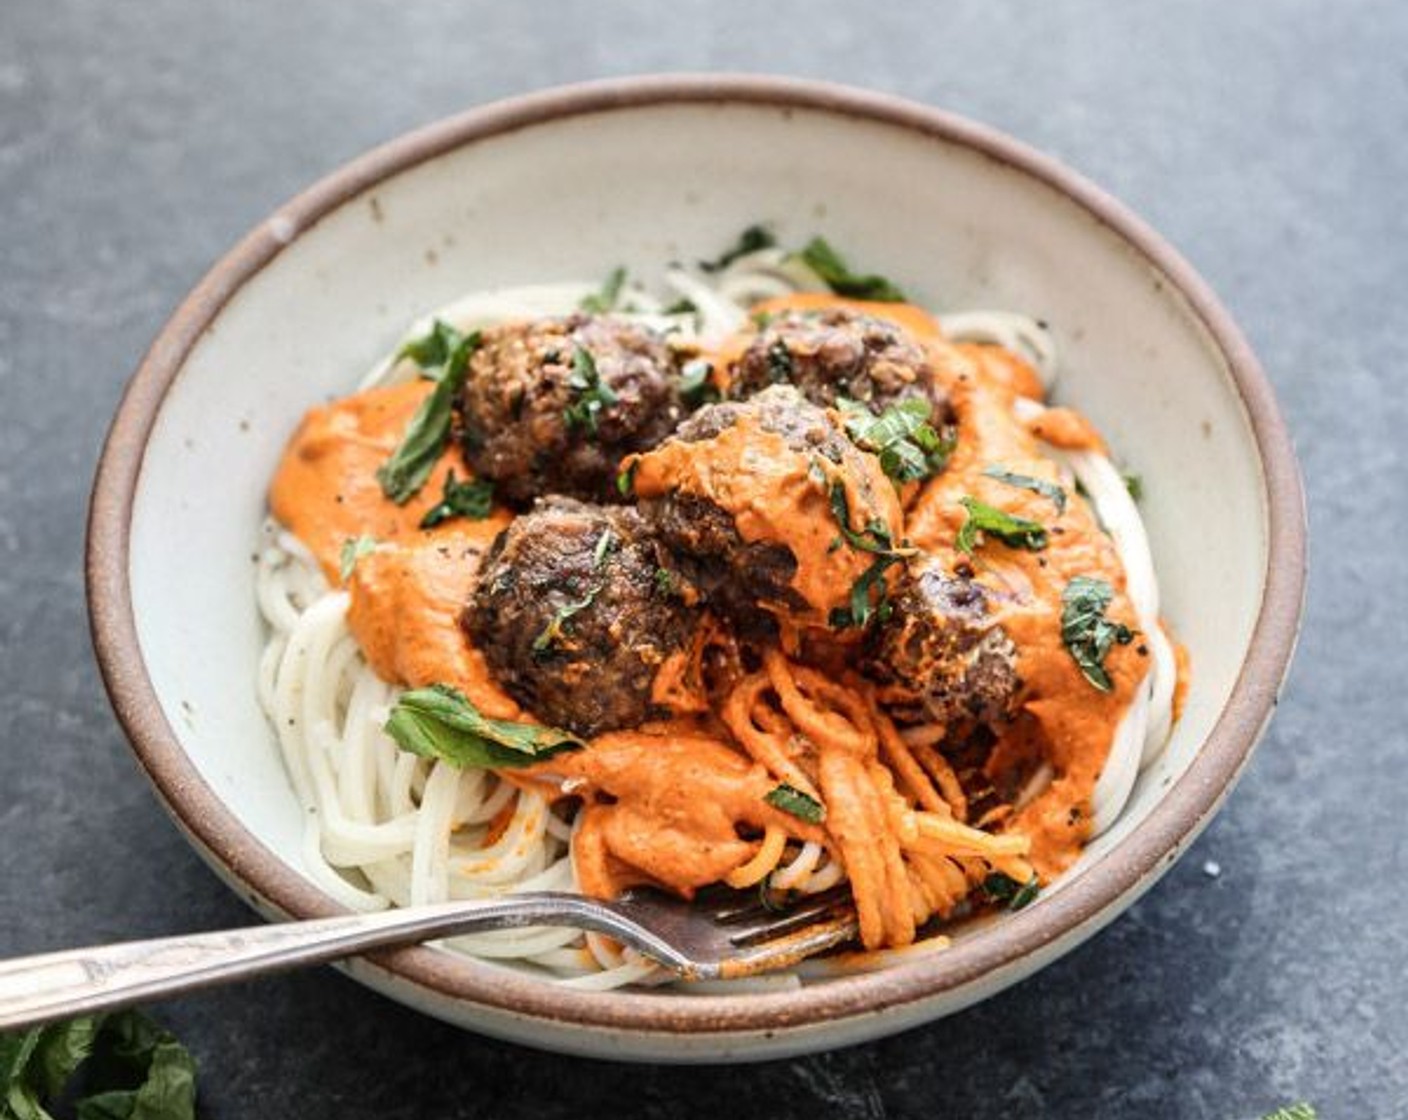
[1135,485]
[439,722]
[1004,888]
[1015,532]
[592,394]
[907,444]
[405,472]
[792,800]
[431,349]
[828,264]
[875,537]
[665,583]
[780,364]
[127,1066]
[604,545]
[682,306]
[870,597]
[749,241]
[609,294]
[553,632]
[353,549]
[626,479]
[870,592]
[1085,630]
[1027,482]
[473,499]
[695,386]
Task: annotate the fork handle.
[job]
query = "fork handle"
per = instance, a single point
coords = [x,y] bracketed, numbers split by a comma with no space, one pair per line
[50,986]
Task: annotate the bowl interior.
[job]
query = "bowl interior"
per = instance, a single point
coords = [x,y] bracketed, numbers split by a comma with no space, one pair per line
[641,185]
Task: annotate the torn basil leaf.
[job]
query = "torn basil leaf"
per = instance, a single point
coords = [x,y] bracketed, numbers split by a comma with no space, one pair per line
[590,393]
[473,499]
[1015,532]
[432,349]
[749,241]
[1085,630]
[127,1068]
[405,472]
[821,258]
[1026,482]
[909,447]
[439,722]
[1003,888]
[353,549]
[607,296]
[695,387]
[792,800]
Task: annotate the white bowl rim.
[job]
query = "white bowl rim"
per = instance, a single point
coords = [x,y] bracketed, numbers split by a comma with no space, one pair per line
[1142,855]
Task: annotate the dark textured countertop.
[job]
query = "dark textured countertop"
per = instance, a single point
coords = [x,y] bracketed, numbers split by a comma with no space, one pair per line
[137,141]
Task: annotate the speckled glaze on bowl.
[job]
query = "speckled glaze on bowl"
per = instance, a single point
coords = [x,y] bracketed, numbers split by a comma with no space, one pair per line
[567,184]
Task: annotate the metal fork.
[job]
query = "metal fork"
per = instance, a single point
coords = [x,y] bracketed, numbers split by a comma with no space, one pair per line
[710,939]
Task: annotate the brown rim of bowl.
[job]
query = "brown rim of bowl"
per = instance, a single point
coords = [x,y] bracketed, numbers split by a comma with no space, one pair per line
[1176,818]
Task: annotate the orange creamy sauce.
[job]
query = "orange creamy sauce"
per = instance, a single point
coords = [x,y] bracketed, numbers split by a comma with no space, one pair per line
[678,797]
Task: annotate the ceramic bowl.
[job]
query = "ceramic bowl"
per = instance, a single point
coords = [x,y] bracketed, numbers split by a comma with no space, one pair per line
[567,184]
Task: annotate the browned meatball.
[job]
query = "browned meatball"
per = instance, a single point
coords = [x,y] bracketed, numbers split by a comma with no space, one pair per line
[836,352]
[941,645]
[745,496]
[551,406]
[575,608]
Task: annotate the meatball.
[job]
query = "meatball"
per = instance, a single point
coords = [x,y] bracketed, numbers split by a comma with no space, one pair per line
[750,497]
[551,406]
[575,608]
[941,645]
[836,352]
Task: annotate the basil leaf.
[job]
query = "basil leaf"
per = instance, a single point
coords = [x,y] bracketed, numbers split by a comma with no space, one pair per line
[1004,888]
[870,597]
[552,633]
[434,348]
[405,472]
[821,258]
[1015,532]
[591,393]
[1085,630]
[695,386]
[875,537]
[473,499]
[792,800]
[909,448]
[439,722]
[606,298]
[626,479]
[137,1070]
[353,549]
[1027,482]
[605,544]
[749,241]
[870,592]
[168,1091]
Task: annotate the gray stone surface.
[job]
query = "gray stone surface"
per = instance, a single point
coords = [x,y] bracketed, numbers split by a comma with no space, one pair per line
[137,141]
